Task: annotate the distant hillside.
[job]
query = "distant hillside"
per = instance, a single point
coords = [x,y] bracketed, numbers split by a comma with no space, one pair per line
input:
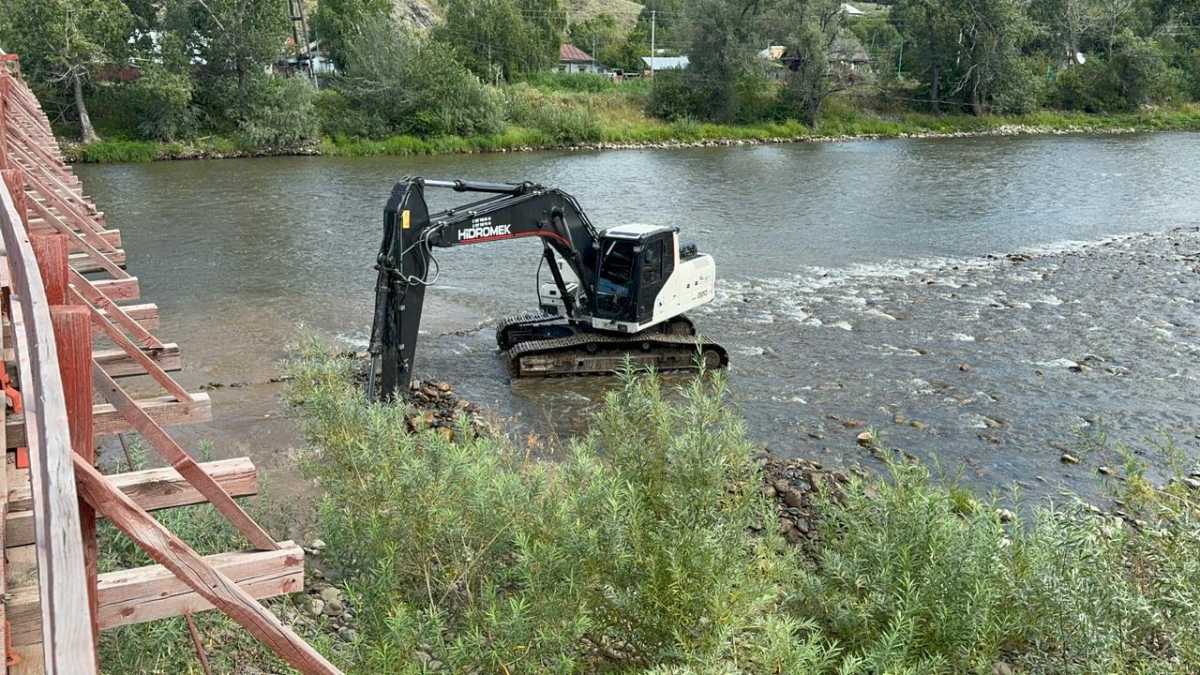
[625,12]
[419,13]
[425,13]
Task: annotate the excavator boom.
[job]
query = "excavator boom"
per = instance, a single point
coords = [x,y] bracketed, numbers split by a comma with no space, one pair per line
[602,298]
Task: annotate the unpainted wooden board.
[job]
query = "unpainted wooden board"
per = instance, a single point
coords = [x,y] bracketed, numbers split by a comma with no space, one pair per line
[165,410]
[154,592]
[175,555]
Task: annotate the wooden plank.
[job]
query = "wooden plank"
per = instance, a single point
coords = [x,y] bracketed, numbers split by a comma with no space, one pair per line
[164,488]
[145,314]
[97,254]
[71,206]
[176,556]
[84,262]
[154,592]
[164,410]
[29,660]
[171,452]
[138,357]
[70,644]
[170,492]
[119,364]
[85,291]
[5,86]
[112,238]
[118,290]
[22,563]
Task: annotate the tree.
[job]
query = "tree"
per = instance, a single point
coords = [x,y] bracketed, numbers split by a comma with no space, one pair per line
[812,76]
[63,42]
[970,49]
[722,40]
[501,39]
[601,37]
[1070,24]
[994,33]
[340,23]
[399,81]
[238,37]
[929,43]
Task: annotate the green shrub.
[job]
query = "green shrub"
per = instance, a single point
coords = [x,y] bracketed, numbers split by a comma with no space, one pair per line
[414,85]
[340,118]
[279,112]
[115,151]
[646,547]
[161,102]
[592,83]
[631,550]
[907,578]
[561,120]
[1135,73]
[672,97]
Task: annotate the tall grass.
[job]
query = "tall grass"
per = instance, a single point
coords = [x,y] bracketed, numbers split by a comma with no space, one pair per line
[646,546]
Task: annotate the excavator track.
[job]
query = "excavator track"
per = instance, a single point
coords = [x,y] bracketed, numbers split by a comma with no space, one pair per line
[588,353]
[517,328]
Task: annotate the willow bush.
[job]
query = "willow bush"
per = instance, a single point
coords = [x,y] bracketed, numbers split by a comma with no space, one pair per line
[646,546]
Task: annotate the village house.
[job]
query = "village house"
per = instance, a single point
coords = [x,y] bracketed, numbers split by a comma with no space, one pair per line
[654,64]
[572,59]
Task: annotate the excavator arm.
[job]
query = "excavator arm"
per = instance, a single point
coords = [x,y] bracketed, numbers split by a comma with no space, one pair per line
[406,264]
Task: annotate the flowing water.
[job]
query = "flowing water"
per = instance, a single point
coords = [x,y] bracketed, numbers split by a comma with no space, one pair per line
[987,303]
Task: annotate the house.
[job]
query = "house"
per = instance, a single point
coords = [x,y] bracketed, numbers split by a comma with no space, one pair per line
[848,53]
[771,59]
[657,63]
[572,59]
[851,10]
[313,62]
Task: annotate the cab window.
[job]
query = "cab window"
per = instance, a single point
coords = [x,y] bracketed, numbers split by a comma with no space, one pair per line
[652,258]
[616,268]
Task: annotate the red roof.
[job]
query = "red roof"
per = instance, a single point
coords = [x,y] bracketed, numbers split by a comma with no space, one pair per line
[569,52]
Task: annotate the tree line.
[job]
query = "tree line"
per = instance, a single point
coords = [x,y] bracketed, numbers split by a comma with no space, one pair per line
[206,66]
[975,56]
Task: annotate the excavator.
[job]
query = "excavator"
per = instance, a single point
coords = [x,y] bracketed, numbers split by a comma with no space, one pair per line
[618,295]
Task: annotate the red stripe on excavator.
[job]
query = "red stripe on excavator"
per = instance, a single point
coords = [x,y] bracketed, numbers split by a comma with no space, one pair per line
[550,235]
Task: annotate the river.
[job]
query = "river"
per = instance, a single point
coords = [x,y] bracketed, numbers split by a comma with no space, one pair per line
[866,283]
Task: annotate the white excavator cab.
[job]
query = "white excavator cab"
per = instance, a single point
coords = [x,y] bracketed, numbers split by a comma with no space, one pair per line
[645,278]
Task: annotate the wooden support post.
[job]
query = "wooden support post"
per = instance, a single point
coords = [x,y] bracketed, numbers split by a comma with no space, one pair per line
[73,337]
[5,87]
[53,258]
[14,178]
[174,554]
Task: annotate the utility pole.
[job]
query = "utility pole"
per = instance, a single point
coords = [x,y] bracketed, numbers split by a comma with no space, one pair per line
[653,52]
[300,36]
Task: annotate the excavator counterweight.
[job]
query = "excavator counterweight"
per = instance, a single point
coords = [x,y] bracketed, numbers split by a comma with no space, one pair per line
[618,295]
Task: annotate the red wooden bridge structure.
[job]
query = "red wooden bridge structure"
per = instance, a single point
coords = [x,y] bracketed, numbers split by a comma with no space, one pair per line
[73,332]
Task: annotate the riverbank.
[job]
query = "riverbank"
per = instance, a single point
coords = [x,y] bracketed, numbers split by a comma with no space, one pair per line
[627,129]
[660,540]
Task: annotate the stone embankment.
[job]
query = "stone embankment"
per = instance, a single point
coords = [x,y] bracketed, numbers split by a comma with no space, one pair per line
[1001,131]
